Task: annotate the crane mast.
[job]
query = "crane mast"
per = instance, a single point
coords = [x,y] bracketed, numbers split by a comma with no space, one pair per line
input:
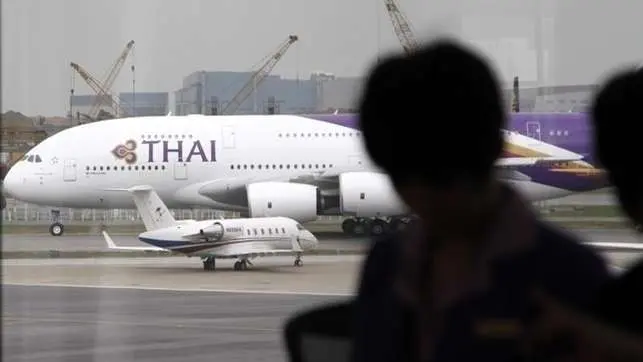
[111,77]
[259,75]
[401,27]
[94,84]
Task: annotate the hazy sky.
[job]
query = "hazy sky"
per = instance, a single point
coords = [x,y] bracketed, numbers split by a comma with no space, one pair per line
[176,37]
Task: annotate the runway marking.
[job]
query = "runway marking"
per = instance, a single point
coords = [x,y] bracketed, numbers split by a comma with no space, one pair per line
[167,289]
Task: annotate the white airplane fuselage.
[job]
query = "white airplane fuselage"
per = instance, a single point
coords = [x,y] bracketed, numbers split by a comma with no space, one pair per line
[207,161]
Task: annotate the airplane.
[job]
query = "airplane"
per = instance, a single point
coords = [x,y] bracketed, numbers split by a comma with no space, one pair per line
[243,239]
[275,165]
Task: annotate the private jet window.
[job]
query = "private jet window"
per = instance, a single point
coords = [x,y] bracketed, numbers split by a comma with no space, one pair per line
[299,227]
[163,167]
[129,168]
[263,232]
[101,168]
[259,167]
[310,166]
[270,231]
[94,168]
[38,159]
[288,166]
[136,167]
[24,157]
[281,166]
[248,231]
[87,168]
[295,166]
[156,167]
[330,166]
[255,231]
[30,159]
[274,167]
[252,167]
[245,167]
[238,167]
[107,168]
[283,230]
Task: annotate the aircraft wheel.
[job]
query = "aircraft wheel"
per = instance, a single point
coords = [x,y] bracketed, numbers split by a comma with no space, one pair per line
[378,227]
[348,226]
[209,264]
[237,265]
[56,229]
[298,262]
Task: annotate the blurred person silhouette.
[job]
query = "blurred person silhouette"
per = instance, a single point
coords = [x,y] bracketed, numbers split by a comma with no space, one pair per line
[456,285]
[613,329]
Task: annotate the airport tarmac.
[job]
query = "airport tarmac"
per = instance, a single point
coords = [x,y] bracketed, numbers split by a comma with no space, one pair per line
[91,324]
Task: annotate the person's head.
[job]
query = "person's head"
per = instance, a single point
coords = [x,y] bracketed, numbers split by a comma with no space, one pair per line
[433,121]
[618,131]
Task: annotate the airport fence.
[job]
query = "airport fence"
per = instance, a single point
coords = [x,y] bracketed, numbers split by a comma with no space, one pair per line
[17,213]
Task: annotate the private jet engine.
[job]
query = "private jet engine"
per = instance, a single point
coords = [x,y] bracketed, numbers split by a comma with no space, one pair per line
[214,232]
[296,201]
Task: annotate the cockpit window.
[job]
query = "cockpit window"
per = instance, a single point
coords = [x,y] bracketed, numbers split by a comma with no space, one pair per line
[38,159]
[299,227]
[24,157]
[30,159]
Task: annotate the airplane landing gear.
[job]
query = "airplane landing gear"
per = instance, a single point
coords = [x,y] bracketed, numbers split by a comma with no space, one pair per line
[298,261]
[242,264]
[209,263]
[56,228]
[375,226]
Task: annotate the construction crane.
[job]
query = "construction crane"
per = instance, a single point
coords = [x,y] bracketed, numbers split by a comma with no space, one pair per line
[96,86]
[401,27]
[111,77]
[259,75]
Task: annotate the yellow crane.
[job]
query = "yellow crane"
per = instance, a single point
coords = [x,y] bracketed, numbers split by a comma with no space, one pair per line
[401,27]
[96,86]
[259,75]
[111,77]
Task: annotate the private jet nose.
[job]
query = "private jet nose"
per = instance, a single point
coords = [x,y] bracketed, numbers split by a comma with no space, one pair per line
[309,239]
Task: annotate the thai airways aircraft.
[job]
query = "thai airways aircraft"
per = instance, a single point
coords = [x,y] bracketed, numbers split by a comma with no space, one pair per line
[243,239]
[274,165]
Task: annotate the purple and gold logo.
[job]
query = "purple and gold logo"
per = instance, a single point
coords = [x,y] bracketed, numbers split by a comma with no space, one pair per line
[126,151]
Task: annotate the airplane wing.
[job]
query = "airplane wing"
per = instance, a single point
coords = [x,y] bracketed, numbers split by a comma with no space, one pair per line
[112,245]
[534,161]
[608,246]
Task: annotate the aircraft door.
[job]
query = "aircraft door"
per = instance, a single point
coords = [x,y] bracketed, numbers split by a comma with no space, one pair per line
[69,171]
[533,129]
[228,136]
[180,171]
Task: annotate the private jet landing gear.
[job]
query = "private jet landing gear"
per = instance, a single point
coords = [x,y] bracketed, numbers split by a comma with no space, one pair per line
[242,264]
[56,229]
[209,263]
[298,261]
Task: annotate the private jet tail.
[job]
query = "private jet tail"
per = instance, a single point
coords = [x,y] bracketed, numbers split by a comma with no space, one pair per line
[152,209]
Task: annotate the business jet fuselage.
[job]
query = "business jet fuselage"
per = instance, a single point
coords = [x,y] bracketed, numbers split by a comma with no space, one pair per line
[277,165]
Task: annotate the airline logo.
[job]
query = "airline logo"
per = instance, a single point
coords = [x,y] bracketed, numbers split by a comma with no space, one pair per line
[126,151]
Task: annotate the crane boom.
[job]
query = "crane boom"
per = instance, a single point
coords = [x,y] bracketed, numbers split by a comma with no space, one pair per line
[94,84]
[111,77]
[259,75]
[401,27]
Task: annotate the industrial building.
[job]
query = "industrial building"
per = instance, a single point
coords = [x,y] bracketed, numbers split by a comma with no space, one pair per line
[129,104]
[210,92]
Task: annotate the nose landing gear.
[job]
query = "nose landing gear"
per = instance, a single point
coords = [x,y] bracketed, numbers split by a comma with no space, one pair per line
[209,263]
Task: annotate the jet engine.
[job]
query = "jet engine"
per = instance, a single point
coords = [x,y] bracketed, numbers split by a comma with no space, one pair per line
[296,201]
[369,194]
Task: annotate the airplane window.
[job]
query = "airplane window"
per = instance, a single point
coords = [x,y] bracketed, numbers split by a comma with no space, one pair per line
[245,167]
[316,166]
[274,167]
[299,227]
[156,167]
[259,167]
[280,135]
[87,168]
[136,168]
[30,159]
[337,134]
[303,135]
[107,168]
[281,166]
[255,230]
[324,166]
[267,166]
[129,168]
[270,231]
[248,231]
[163,167]
[343,134]
[101,168]
[316,134]
[252,167]
[303,166]
[238,167]
[122,168]
[310,166]
[309,135]
[288,166]
[330,166]
[38,159]
[262,231]
[24,158]
[294,135]
[232,167]
[287,134]
[283,230]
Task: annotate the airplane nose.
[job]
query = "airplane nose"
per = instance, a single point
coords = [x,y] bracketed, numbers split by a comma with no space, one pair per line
[12,183]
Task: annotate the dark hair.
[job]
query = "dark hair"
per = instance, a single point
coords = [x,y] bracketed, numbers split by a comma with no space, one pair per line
[617,134]
[435,115]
